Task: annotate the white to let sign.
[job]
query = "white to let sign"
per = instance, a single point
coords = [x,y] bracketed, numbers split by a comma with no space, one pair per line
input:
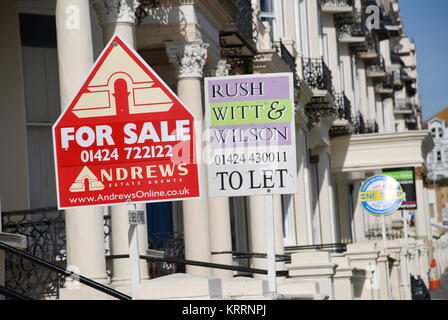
[251,132]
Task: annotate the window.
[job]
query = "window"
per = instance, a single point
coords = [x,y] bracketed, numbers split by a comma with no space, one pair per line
[268,13]
[266,6]
[437,130]
[439,156]
[42,103]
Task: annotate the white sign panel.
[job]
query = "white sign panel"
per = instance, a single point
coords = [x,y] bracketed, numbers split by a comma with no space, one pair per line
[251,135]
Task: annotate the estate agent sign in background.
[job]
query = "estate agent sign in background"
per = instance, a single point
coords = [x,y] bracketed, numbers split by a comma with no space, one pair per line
[406,178]
[124,137]
[250,121]
[381,195]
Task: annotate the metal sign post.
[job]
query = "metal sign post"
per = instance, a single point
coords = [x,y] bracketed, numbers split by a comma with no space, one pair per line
[406,246]
[270,244]
[383,223]
[136,217]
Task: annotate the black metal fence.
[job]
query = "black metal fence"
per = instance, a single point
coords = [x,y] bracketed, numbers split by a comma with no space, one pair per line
[45,233]
[172,244]
[317,74]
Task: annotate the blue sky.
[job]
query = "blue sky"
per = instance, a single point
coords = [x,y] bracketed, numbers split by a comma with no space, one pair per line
[425,22]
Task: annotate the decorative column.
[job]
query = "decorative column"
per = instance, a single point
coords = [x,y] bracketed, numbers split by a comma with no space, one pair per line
[84,227]
[359,234]
[326,200]
[189,58]
[118,17]
[302,199]
[220,229]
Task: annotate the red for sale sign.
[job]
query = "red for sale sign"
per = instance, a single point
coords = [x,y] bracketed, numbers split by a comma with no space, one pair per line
[125,137]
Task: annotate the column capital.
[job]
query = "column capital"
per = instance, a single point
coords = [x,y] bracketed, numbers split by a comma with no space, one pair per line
[188,57]
[116,11]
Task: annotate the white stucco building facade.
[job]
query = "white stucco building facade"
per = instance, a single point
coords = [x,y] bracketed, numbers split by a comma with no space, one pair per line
[358,112]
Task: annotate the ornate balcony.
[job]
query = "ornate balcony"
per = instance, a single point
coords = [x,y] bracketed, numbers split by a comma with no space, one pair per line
[397,78]
[362,126]
[386,86]
[402,106]
[289,59]
[318,109]
[336,6]
[350,27]
[368,49]
[343,124]
[317,74]
[238,38]
[343,106]
[377,69]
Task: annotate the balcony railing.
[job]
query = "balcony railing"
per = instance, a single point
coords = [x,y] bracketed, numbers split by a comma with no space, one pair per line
[402,106]
[288,58]
[377,68]
[244,19]
[343,106]
[317,74]
[238,39]
[45,234]
[386,86]
[368,49]
[362,126]
[350,25]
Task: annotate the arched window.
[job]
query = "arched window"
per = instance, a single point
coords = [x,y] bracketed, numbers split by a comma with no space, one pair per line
[437,129]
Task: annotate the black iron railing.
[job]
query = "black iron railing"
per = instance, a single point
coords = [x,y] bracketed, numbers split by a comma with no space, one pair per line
[35,262]
[184,262]
[343,106]
[289,59]
[332,247]
[250,255]
[244,19]
[45,233]
[362,126]
[350,25]
[317,74]
[44,229]
[172,244]
[368,49]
